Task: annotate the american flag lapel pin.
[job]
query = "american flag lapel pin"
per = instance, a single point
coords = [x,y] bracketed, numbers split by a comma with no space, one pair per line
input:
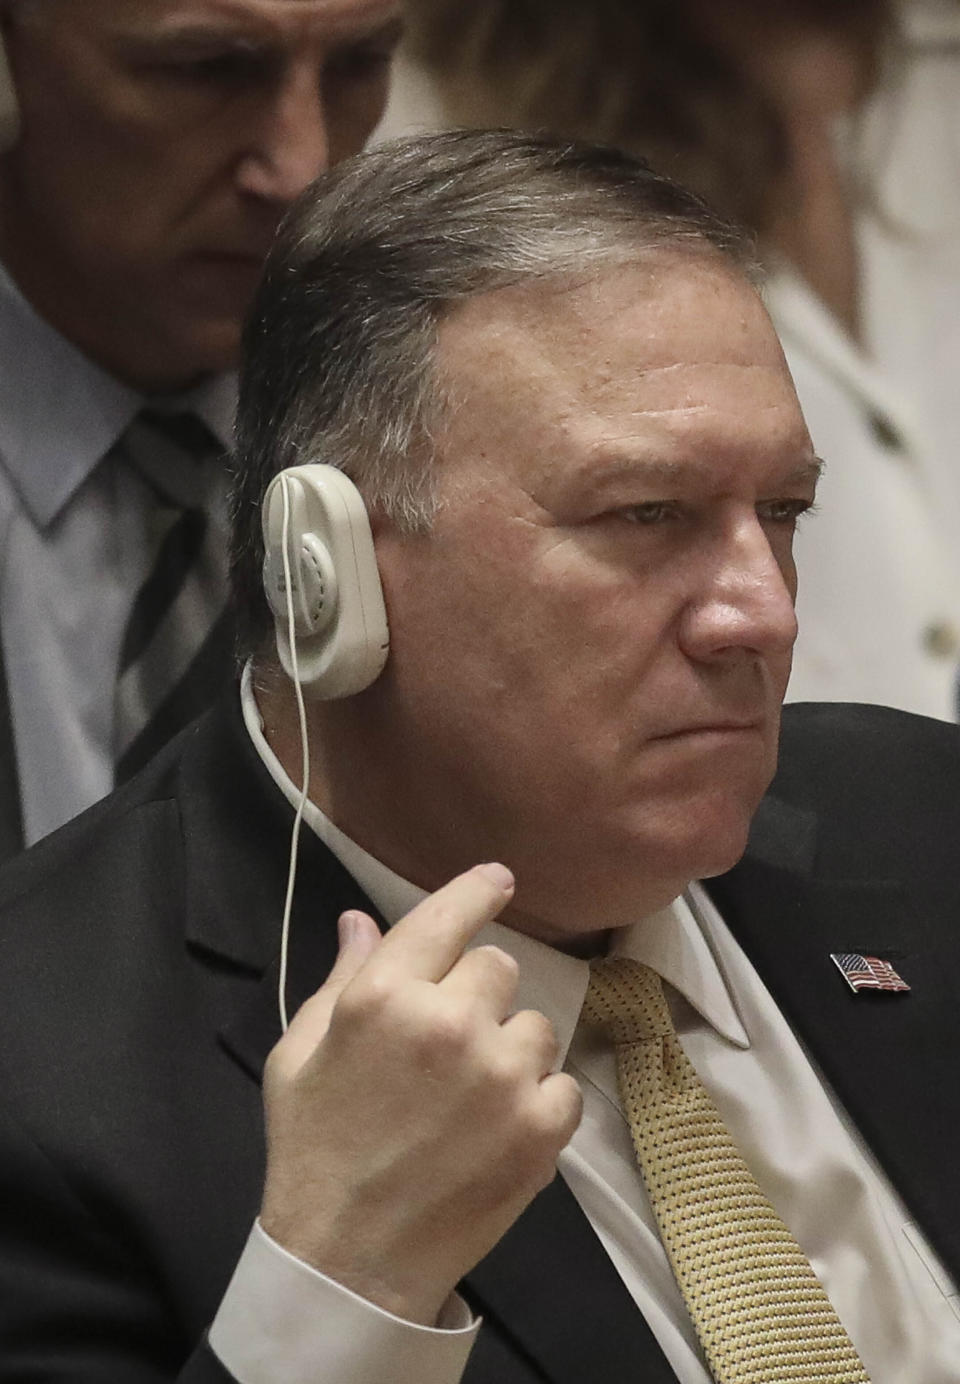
[868,973]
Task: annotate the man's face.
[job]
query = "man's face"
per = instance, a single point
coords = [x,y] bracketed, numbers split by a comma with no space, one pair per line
[161,142]
[590,648]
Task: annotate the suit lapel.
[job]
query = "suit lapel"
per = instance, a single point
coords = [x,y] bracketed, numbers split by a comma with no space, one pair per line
[868,1046]
[550,1286]
[325,891]
[236,832]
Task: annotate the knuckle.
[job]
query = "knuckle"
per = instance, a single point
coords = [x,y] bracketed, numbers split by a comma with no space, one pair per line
[496,960]
[449,1029]
[504,1071]
[535,1157]
[535,1033]
[545,1035]
[364,1001]
[445,915]
[556,1115]
[569,1104]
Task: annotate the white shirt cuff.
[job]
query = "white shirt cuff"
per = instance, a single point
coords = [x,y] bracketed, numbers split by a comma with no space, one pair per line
[283,1322]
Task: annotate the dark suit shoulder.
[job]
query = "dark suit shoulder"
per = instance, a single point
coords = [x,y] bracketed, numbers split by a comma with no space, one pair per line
[861,793]
[138,1139]
[68,852]
[91,941]
[843,753]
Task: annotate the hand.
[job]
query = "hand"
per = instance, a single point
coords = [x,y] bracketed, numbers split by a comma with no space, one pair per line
[409,1119]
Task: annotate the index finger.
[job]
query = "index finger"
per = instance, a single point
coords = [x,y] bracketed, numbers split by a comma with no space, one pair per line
[431,937]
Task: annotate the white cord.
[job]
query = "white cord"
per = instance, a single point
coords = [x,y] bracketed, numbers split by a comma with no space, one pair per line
[305,751]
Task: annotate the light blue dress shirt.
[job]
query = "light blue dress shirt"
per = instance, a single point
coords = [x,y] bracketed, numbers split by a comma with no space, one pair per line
[73,553]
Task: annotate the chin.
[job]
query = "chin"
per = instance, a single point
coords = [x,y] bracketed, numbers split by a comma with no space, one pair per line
[213,347]
[693,837]
[718,859]
[192,352]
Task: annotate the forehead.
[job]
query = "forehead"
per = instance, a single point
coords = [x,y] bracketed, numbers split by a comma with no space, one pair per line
[665,358]
[329,19]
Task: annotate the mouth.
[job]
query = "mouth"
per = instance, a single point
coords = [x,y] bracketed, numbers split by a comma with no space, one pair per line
[710,729]
[225,277]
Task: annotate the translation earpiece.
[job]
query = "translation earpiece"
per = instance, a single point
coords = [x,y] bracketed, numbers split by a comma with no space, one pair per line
[339,618]
[9,111]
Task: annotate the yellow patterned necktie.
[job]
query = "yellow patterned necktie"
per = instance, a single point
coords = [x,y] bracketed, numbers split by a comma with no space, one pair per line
[759,1310]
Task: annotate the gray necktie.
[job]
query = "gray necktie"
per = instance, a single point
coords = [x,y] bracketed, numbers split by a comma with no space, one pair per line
[177,643]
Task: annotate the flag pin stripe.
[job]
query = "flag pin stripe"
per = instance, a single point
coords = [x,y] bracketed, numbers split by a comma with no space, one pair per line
[868,973]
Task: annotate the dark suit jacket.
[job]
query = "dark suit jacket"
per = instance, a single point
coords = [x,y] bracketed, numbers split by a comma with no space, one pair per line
[137,963]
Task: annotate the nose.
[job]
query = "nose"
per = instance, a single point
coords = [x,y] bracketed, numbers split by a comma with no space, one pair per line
[745,603]
[290,145]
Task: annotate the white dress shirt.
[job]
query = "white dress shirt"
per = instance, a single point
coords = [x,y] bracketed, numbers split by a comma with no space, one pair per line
[282,1321]
[73,553]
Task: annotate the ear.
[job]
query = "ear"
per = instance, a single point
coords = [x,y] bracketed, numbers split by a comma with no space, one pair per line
[320,575]
[9,109]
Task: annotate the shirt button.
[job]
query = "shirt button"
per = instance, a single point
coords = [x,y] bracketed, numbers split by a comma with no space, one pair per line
[942,639]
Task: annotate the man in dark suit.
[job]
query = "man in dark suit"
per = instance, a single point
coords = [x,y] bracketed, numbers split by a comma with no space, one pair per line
[582,459]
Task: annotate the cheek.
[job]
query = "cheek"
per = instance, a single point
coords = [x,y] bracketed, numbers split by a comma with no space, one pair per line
[99,194]
[352,114]
[534,645]
[600,625]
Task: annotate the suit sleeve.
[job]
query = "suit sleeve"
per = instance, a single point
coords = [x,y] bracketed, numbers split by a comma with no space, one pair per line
[74,1309]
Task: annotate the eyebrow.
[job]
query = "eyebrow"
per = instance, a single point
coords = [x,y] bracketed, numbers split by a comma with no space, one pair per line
[618,465]
[226,21]
[810,471]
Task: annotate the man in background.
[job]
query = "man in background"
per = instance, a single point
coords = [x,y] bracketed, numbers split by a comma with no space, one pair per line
[149,150]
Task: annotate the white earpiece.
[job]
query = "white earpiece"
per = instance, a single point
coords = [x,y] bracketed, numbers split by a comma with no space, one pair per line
[339,619]
[321,581]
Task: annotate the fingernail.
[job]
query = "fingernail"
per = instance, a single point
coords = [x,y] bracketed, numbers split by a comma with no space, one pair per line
[499,874]
[346,928]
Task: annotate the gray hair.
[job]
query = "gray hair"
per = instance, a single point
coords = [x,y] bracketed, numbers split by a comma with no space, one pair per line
[339,348]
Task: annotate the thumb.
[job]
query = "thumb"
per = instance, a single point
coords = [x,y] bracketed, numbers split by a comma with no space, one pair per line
[359,939]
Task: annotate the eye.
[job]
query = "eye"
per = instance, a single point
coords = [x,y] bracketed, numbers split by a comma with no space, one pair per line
[362,62]
[650,512]
[368,57]
[784,511]
[229,66]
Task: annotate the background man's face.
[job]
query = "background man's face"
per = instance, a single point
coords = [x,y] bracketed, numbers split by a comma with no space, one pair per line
[162,141]
[590,649]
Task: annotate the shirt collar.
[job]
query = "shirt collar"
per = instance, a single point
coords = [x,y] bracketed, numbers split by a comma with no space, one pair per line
[670,941]
[673,942]
[60,413]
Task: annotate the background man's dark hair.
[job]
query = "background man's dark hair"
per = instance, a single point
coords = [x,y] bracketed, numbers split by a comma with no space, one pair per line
[339,349]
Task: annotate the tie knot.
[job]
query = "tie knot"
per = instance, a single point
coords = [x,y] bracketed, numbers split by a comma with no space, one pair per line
[175,453]
[626,999]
